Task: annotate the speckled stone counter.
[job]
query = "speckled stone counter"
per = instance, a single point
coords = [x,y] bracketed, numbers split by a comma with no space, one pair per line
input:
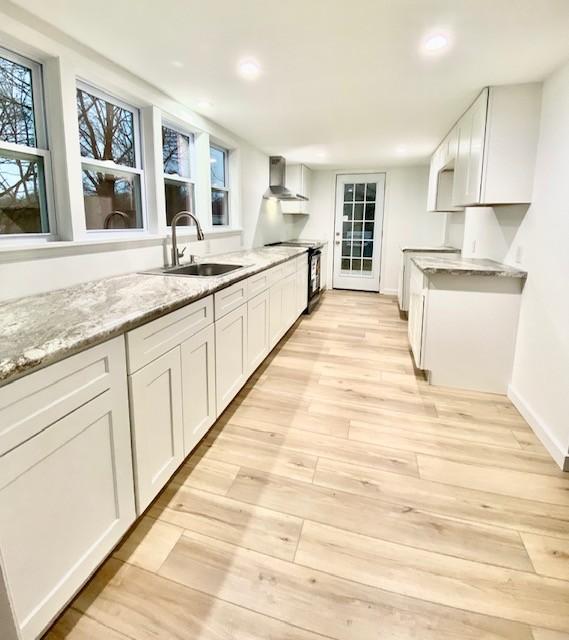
[38,330]
[438,249]
[458,266]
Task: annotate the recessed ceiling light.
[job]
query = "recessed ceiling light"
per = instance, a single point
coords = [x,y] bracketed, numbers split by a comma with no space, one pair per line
[435,42]
[205,104]
[249,69]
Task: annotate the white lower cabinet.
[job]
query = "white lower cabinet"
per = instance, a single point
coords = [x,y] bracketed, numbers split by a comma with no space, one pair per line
[66,499]
[198,386]
[157,424]
[289,303]
[276,312]
[231,370]
[257,330]
[301,289]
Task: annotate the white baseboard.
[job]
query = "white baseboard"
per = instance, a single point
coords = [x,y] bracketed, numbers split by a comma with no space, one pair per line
[388,292]
[541,430]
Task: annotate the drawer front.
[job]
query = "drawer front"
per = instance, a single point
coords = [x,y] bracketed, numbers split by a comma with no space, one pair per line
[258,283]
[230,298]
[159,336]
[289,268]
[275,274]
[29,405]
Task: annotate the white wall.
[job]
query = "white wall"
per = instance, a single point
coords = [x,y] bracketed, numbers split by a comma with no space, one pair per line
[406,221]
[540,380]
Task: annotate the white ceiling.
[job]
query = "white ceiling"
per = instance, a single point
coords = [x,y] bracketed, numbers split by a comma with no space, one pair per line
[343,83]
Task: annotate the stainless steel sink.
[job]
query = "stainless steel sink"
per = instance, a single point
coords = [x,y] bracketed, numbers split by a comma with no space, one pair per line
[202,269]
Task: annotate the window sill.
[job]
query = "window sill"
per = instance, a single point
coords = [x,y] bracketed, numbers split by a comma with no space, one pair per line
[37,250]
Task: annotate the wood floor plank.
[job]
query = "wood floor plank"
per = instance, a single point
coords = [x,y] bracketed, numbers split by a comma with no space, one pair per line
[256,433]
[377,518]
[515,595]
[550,556]
[339,608]
[530,486]
[249,526]
[203,473]
[148,544]
[454,449]
[445,499]
[546,634]
[144,606]
[73,625]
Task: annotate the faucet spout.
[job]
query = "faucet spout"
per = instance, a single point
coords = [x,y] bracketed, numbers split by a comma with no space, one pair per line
[176,255]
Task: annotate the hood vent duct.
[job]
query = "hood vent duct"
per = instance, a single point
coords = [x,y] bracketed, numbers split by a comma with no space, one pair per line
[277,182]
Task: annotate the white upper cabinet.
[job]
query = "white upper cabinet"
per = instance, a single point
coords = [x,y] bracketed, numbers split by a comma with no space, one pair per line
[488,157]
[298,180]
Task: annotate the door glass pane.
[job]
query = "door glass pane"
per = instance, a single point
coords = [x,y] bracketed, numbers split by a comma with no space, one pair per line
[348,210]
[356,249]
[366,265]
[345,264]
[358,230]
[358,211]
[356,264]
[370,210]
[370,191]
[360,192]
[346,249]
[348,193]
[368,230]
[368,249]
[112,200]
[23,206]
[179,197]
[347,230]
[17,123]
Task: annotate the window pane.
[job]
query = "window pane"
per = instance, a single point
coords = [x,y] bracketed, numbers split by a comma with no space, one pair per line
[358,211]
[346,265]
[17,123]
[368,249]
[348,210]
[367,265]
[22,195]
[370,210]
[348,193]
[176,152]
[219,207]
[360,190]
[106,131]
[217,163]
[357,265]
[179,197]
[346,249]
[112,200]
[356,249]
[370,191]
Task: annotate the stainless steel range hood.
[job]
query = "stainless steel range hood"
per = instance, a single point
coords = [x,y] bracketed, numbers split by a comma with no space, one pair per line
[277,182]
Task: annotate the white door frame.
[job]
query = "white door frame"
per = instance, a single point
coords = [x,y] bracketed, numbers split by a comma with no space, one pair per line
[358,280]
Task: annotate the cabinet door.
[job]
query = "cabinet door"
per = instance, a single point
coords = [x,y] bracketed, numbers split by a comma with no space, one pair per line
[476,151]
[257,330]
[157,425]
[460,179]
[198,386]
[276,312]
[230,355]
[289,303]
[323,267]
[301,289]
[415,325]
[66,499]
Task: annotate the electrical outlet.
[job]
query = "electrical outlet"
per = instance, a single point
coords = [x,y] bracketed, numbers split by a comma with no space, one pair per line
[519,254]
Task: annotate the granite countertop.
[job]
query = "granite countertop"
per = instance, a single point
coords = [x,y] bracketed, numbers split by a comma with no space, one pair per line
[459,266]
[38,330]
[439,249]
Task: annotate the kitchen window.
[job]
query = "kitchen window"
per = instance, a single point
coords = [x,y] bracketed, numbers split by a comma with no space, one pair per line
[218,159]
[109,139]
[24,156]
[179,187]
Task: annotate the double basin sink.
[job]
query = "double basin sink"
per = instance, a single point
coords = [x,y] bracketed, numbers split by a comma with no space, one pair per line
[203,270]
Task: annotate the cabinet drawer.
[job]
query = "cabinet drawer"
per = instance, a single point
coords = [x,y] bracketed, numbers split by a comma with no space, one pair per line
[29,405]
[289,268]
[258,283]
[275,274]
[159,336]
[230,298]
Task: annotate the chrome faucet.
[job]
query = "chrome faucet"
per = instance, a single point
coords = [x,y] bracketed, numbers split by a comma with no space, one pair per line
[176,254]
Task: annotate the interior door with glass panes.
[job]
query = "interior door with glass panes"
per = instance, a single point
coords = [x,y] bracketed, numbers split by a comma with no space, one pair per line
[358,231]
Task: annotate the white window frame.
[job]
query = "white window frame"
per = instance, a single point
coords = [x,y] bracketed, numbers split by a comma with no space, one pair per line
[174,177]
[225,188]
[113,166]
[40,151]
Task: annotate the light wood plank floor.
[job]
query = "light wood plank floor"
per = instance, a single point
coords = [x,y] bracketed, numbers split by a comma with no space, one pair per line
[341,497]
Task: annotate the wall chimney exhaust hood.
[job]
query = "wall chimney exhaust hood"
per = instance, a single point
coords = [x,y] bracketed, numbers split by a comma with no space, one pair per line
[277,182]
